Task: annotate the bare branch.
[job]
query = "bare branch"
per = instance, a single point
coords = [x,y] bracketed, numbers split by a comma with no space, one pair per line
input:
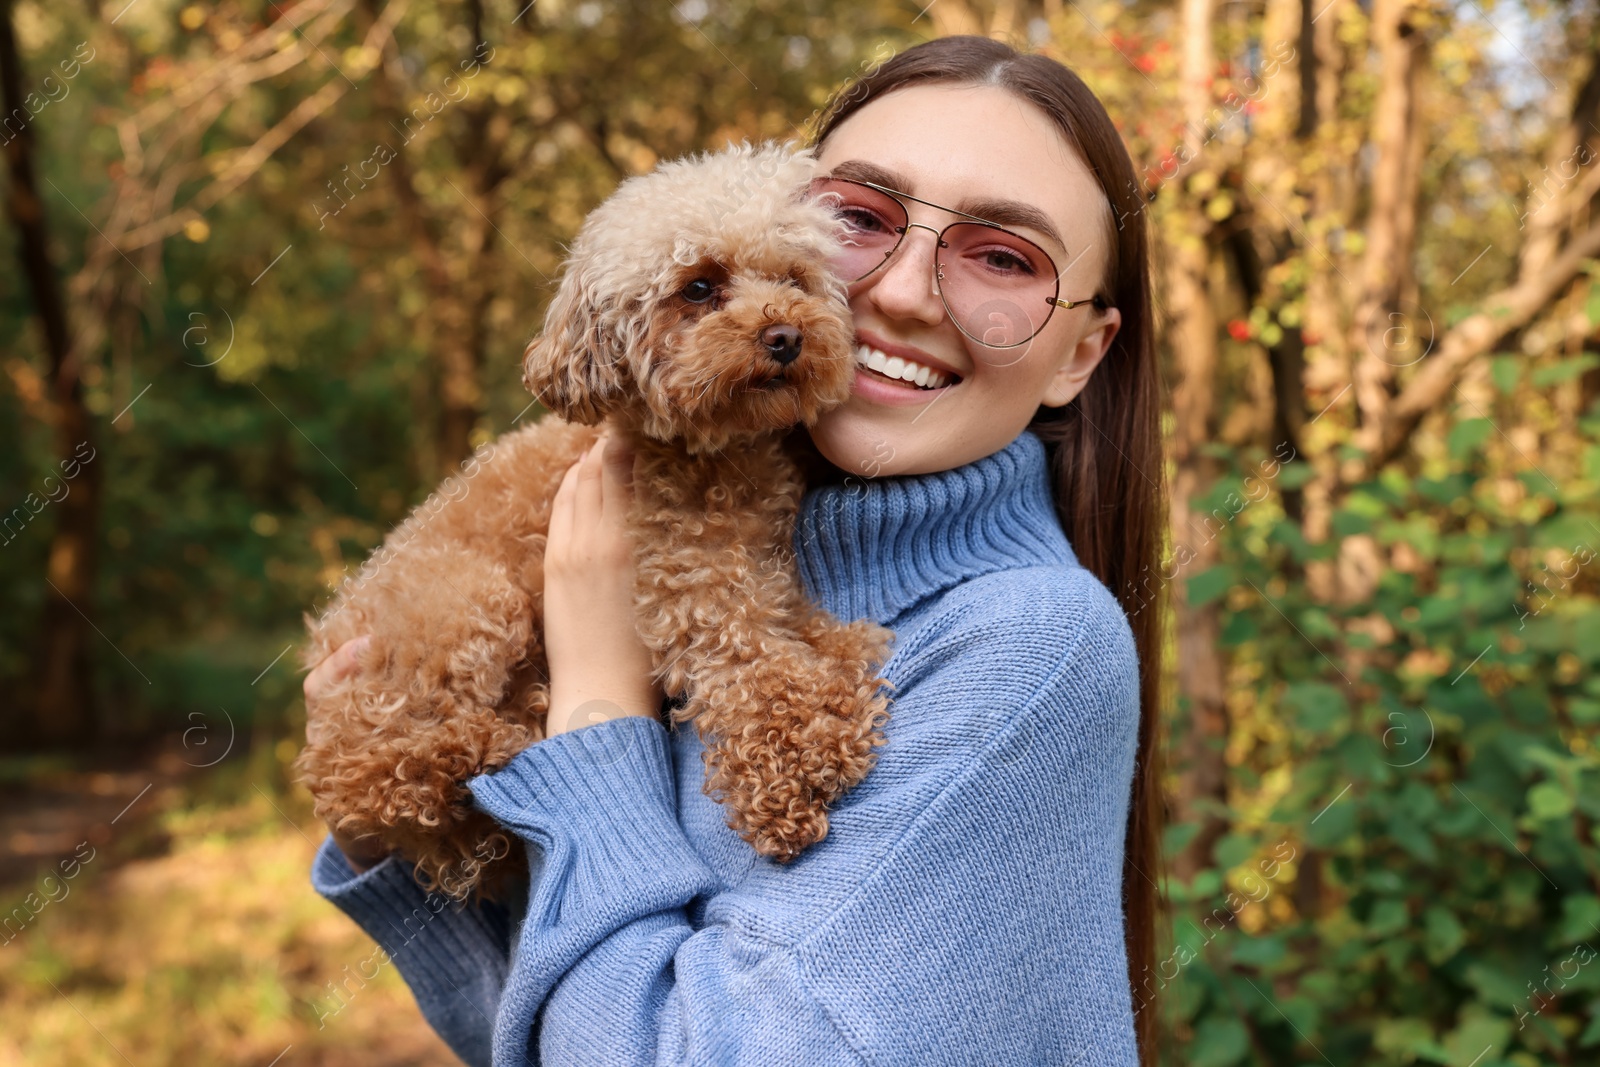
[240,167]
[1504,313]
[140,212]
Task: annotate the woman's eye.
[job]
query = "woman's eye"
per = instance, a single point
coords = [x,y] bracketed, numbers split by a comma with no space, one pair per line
[862,220]
[698,291]
[1006,262]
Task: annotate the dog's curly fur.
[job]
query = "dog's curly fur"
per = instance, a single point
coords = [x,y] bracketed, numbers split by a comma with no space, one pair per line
[454,684]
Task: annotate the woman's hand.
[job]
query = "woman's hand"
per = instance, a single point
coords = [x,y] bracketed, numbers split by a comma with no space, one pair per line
[339,665]
[360,853]
[599,666]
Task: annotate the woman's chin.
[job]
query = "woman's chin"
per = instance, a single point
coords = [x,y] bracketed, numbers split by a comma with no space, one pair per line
[860,445]
[853,443]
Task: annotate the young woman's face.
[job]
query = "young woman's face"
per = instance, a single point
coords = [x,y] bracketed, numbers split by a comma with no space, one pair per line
[958,146]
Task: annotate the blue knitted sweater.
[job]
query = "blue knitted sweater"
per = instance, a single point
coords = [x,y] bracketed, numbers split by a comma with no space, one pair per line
[965,906]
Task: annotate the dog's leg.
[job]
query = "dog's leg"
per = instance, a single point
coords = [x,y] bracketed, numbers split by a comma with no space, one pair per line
[786,698]
[807,736]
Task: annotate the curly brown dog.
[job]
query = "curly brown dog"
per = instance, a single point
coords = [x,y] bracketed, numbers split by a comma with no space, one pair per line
[697,315]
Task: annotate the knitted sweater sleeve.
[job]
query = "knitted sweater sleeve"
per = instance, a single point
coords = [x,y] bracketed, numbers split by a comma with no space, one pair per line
[453,956]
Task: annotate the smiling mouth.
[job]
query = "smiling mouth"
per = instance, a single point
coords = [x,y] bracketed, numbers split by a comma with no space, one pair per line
[902,372]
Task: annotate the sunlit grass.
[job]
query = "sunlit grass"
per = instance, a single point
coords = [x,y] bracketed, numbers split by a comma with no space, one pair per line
[216,952]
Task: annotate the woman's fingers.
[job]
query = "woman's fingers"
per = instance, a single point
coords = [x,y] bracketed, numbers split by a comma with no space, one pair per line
[588,498]
[617,476]
[340,664]
[559,536]
[575,509]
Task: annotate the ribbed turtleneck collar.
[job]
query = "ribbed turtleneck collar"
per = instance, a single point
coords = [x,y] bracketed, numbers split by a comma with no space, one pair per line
[871,549]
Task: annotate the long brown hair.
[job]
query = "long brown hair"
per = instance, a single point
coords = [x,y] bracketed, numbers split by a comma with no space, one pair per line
[1104,447]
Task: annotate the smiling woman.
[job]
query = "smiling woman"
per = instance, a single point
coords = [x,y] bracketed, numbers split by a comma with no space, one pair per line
[986,894]
[1020,143]
[937,299]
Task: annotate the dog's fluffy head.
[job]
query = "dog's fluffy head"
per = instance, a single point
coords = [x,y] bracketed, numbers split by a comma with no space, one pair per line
[697,302]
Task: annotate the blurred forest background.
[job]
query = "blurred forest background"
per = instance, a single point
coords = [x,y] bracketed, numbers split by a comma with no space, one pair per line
[265,276]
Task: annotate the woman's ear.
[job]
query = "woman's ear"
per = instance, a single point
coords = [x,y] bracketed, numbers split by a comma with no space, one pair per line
[575,367]
[1081,359]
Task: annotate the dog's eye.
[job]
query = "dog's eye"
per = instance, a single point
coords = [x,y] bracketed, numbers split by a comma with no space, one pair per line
[698,291]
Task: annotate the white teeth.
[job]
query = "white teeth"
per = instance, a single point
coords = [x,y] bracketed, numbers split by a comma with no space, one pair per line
[898,367]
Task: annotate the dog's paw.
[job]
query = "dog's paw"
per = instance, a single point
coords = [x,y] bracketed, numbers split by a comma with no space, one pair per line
[785,844]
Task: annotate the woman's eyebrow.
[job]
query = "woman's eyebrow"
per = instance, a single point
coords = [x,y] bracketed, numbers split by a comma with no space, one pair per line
[1001,212]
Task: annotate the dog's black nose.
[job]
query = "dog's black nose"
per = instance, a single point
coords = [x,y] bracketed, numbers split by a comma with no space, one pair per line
[783,342]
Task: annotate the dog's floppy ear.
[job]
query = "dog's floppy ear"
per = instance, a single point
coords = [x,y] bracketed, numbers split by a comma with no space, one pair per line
[575,367]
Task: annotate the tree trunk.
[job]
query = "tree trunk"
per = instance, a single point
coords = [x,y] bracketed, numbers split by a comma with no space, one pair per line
[63,697]
[1569,180]
[1193,337]
[453,324]
[1383,335]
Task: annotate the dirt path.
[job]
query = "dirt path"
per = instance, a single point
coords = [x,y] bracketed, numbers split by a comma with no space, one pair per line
[46,814]
[191,936]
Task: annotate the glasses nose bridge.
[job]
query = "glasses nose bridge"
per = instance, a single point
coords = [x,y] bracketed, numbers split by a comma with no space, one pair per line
[938,243]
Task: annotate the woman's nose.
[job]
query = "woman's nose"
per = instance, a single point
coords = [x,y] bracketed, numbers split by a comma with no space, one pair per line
[905,288]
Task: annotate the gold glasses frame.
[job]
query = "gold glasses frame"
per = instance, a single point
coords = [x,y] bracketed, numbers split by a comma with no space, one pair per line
[1054,300]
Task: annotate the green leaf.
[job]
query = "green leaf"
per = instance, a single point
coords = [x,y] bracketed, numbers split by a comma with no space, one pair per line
[1467,435]
[1402,1038]
[1332,825]
[1574,534]
[1494,985]
[1207,883]
[1290,536]
[1348,523]
[1210,584]
[1261,951]
[1368,504]
[1544,633]
[1176,837]
[1505,371]
[1315,623]
[1580,917]
[1420,531]
[1478,1032]
[1550,800]
[1294,475]
[1319,707]
[1239,629]
[1412,837]
[1445,491]
[1587,630]
[1389,916]
[1219,1041]
[1231,850]
[1563,370]
[1442,935]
